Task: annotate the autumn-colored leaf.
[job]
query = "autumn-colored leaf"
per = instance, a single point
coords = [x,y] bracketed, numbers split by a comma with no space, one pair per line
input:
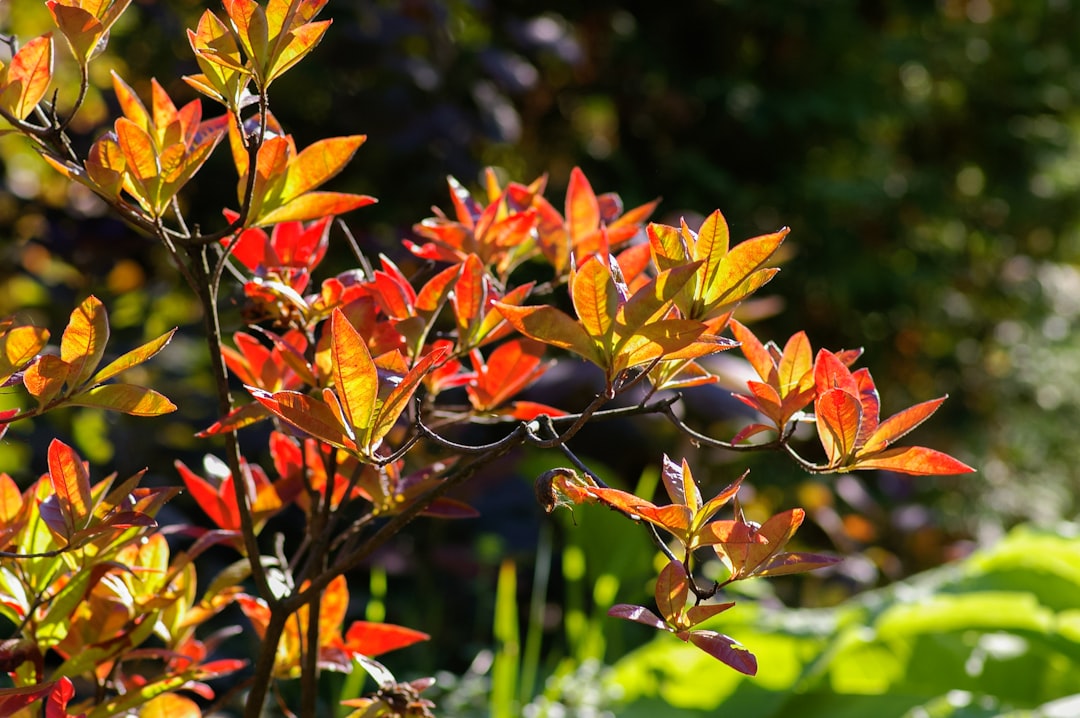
[551,326]
[71,483]
[132,358]
[125,398]
[18,346]
[638,614]
[355,376]
[672,590]
[84,339]
[25,80]
[373,639]
[726,649]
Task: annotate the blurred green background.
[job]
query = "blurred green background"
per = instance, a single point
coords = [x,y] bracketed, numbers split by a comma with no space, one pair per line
[924,154]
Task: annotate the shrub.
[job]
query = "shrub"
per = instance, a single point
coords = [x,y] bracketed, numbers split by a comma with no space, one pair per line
[370,379]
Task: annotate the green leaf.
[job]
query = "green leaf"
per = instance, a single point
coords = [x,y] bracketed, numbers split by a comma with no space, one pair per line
[132,358]
[125,398]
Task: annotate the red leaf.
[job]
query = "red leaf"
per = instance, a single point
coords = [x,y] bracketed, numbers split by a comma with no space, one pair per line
[638,614]
[726,649]
[672,590]
[374,639]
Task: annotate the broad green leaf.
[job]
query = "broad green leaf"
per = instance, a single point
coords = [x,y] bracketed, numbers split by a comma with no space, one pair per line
[26,79]
[132,358]
[84,339]
[356,378]
[125,398]
[71,482]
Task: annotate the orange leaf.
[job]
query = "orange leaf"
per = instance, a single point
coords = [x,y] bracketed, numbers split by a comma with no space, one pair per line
[19,345]
[80,28]
[551,326]
[651,301]
[399,398]
[315,205]
[672,590]
[838,416]
[582,209]
[309,415]
[469,293]
[900,424]
[83,341]
[318,163]
[355,376]
[130,104]
[26,79]
[45,378]
[170,705]
[916,460]
[595,298]
[71,484]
